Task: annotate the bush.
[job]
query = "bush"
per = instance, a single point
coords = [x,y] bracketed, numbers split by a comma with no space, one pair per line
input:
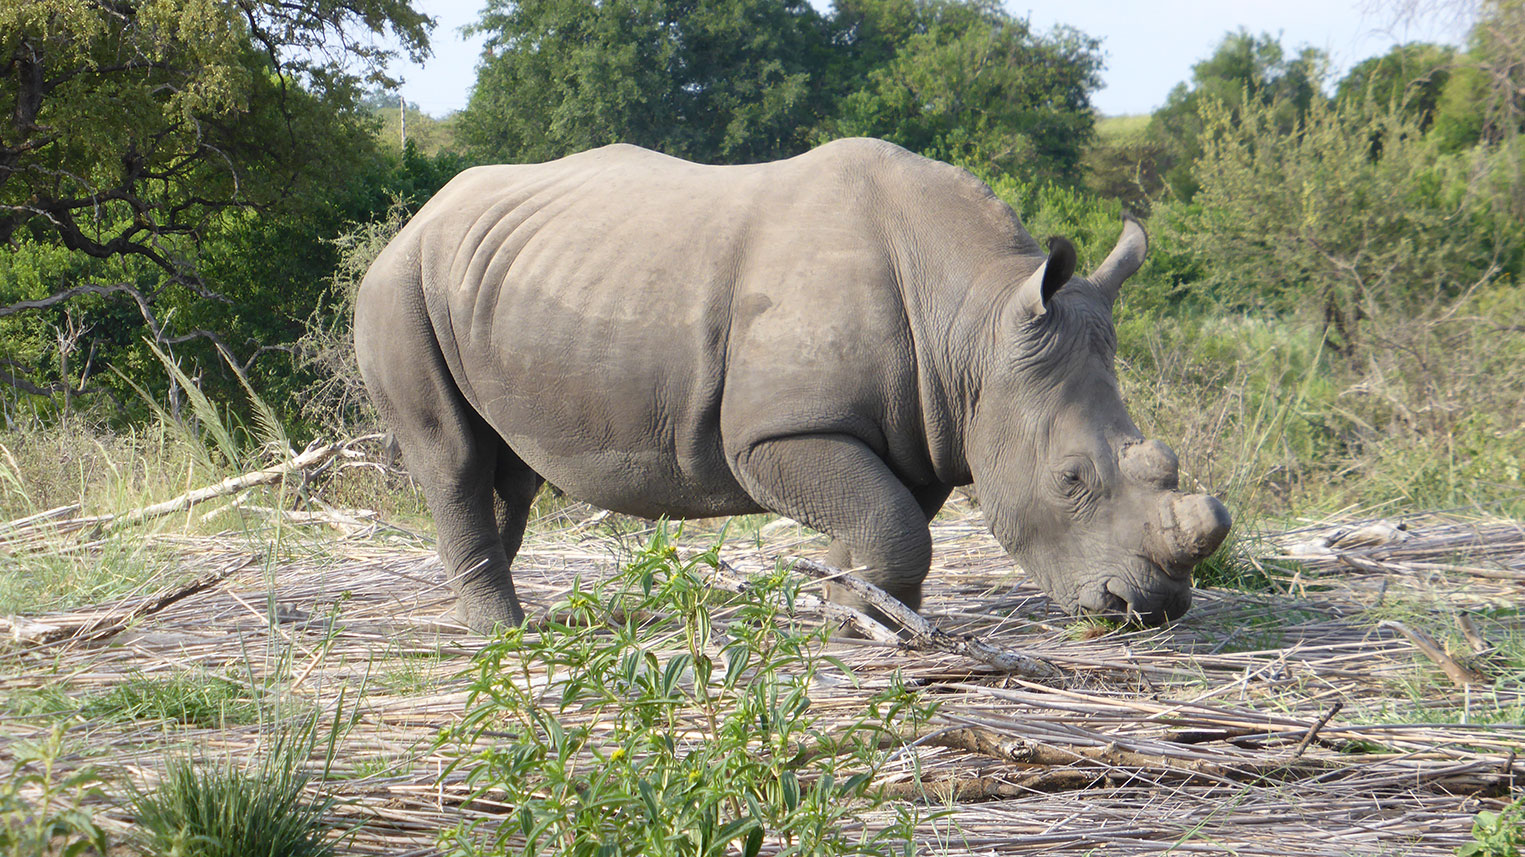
[600,747]
[44,811]
[337,401]
[1350,218]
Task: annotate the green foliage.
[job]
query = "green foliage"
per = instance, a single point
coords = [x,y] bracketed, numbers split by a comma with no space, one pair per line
[1243,69]
[1409,80]
[1497,834]
[207,701]
[222,809]
[715,750]
[1046,208]
[174,179]
[400,126]
[1350,216]
[336,399]
[732,81]
[191,698]
[969,83]
[1484,100]
[43,810]
[1124,162]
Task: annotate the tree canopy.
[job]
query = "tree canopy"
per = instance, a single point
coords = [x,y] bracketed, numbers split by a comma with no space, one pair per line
[729,81]
[722,80]
[967,82]
[142,136]
[1243,67]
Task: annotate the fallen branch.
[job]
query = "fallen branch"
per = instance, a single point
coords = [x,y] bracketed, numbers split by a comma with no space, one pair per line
[957,788]
[313,457]
[922,635]
[1025,751]
[39,518]
[37,633]
[32,527]
[1313,733]
[735,581]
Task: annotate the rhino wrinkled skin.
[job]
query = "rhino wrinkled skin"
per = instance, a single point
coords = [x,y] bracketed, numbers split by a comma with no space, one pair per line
[841,337]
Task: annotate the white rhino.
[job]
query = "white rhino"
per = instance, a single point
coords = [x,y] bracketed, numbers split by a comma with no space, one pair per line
[841,337]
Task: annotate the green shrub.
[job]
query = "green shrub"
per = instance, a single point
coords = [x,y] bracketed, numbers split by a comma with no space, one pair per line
[1497,834]
[52,817]
[602,747]
[1351,217]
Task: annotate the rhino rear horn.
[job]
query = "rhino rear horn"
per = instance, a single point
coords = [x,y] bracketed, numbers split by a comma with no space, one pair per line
[1124,259]
[1055,271]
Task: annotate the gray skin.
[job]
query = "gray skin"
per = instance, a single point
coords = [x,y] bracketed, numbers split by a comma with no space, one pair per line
[842,337]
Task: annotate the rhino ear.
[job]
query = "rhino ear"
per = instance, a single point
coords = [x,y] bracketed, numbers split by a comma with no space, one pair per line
[1055,271]
[1124,259]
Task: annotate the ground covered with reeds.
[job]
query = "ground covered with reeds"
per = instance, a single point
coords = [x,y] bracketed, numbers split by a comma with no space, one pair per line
[1345,687]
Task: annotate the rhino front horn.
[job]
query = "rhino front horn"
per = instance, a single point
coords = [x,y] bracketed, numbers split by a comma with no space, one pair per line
[1192,527]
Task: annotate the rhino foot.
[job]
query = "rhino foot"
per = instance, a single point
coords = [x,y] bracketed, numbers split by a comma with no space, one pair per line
[487,615]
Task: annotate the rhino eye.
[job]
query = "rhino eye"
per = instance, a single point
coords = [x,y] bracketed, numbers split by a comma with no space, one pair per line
[1072,478]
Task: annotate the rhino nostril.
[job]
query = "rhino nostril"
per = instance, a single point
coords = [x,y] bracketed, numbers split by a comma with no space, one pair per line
[1098,599]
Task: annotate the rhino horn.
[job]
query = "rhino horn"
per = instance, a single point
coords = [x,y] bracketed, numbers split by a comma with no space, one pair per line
[1124,259]
[1192,527]
[1055,271]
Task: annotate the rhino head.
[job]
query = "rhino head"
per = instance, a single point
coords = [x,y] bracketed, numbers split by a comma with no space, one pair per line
[1069,485]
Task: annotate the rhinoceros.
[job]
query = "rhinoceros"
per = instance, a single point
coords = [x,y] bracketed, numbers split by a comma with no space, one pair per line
[841,337]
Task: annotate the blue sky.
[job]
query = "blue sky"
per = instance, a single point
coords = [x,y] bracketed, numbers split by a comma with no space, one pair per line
[1150,45]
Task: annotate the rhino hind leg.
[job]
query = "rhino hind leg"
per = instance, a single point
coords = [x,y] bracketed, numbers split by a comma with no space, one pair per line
[477,490]
[479,496]
[514,486]
[837,485]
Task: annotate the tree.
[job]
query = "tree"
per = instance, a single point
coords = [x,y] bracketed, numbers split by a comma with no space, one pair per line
[730,81]
[1410,78]
[139,133]
[1484,98]
[1243,69]
[962,80]
[1316,221]
[726,81]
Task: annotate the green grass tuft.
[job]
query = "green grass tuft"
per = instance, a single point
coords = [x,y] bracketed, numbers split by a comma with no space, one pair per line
[221,809]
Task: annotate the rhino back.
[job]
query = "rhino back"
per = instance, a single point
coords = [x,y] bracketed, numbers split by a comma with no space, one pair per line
[626,320]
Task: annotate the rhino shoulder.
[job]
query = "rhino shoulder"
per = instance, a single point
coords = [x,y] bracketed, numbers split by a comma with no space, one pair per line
[932,192]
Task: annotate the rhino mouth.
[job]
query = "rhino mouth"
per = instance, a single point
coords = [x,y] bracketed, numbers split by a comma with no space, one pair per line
[1124,599]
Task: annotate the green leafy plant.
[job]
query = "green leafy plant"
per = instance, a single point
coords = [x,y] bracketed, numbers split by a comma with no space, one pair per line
[1497,834]
[43,810]
[221,809]
[602,746]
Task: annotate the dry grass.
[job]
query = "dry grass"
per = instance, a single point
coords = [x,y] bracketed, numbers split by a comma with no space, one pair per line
[1213,735]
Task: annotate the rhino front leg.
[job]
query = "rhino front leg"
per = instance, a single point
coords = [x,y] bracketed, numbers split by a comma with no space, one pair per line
[837,485]
[930,498]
